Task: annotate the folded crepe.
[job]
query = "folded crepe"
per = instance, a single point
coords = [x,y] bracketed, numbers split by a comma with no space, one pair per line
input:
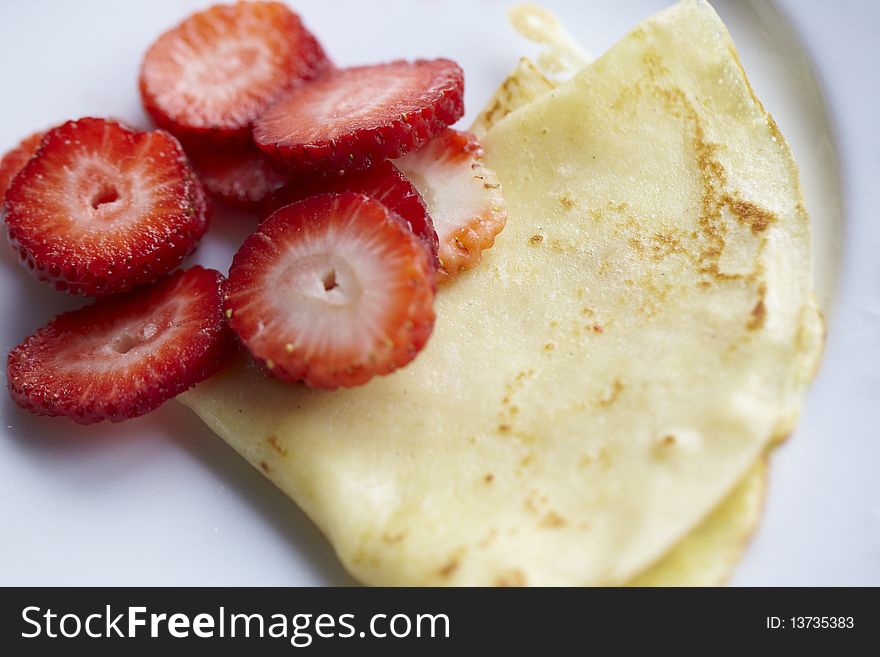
[708,553]
[644,327]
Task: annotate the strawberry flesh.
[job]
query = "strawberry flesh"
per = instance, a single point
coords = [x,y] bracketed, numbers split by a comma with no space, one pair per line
[101,208]
[332,291]
[122,357]
[239,175]
[15,159]
[353,118]
[211,76]
[383,182]
[463,196]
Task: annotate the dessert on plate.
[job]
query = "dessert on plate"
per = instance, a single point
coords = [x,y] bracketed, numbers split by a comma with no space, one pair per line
[553,349]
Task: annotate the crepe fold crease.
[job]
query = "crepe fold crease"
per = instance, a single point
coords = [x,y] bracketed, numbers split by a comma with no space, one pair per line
[643,329]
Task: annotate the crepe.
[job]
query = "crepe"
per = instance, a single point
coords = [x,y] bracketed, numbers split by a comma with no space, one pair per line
[643,328]
[560,57]
[707,554]
[525,84]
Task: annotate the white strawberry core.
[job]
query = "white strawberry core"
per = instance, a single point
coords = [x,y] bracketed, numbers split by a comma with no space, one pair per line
[324,278]
[133,337]
[97,192]
[334,287]
[457,188]
[453,193]
[127,341]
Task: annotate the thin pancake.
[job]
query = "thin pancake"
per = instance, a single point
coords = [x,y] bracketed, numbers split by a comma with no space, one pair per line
[708,554]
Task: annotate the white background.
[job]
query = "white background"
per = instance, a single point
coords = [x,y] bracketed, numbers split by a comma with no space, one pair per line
[161,500]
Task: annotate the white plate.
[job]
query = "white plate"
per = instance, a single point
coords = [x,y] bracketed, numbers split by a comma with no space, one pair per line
[161,500]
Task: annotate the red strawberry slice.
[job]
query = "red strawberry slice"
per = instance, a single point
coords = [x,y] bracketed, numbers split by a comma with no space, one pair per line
[463,196]
[240,175]
[383,182]
[353,118]
[122,357]
[101,208]
[15,159]
[332,290]
[212,75]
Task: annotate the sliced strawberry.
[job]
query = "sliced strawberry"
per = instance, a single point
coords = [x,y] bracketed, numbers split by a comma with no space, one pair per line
[15,159]
[353,118]
[240,175]
[122,357]
[463,196]
[332,290]
[101,208]
[383,182]
[212,75]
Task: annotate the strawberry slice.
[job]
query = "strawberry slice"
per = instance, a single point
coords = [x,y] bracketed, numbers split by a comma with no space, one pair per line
[15,159]
[212,75]
[240,175]
[332,290]
[101,208]
[353,118]
[122,357]
[463,196]
[383,182]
